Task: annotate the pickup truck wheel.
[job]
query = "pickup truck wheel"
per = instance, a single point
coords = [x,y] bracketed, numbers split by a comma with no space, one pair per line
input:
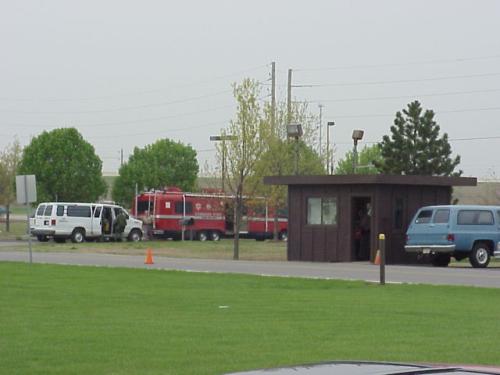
[480,255]
[78,236]
[441,260]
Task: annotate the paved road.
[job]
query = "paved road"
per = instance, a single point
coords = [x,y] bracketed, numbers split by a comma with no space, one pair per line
[489,277]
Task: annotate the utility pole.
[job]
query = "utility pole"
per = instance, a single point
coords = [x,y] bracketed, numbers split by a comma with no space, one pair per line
[273,96]
[289,98]
[121,157]
[320,127]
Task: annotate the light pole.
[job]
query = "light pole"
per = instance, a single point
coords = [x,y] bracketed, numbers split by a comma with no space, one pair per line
[328,166]
[357,135]
[320,130]
[295,131]
[223,138]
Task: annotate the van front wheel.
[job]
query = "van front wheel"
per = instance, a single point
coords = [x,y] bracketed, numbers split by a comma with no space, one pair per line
[135,235]
[480,255]
[78,236]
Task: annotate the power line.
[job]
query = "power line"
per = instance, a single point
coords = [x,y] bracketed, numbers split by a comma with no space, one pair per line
[120,109]
[157,133]
[428,62]
[116,123]
[339,84]
[436,112]
[449,139]
[450,93]
[150,91]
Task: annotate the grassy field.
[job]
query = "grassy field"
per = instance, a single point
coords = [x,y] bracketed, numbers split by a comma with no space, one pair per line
[17,230]
[86,320]
[223,249]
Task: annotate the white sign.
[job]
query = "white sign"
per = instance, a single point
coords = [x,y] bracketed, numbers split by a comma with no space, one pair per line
[26,189]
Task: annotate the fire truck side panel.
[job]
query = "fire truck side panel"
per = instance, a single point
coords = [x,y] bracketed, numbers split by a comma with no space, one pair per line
[168,211]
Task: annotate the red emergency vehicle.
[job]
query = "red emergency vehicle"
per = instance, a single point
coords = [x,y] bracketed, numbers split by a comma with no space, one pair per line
[172,213]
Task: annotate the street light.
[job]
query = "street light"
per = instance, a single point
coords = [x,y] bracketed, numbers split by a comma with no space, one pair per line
[328,164]
[223,138]
[295,131]
[357,135]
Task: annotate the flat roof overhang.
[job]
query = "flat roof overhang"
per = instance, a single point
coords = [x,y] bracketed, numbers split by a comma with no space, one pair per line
[372,179]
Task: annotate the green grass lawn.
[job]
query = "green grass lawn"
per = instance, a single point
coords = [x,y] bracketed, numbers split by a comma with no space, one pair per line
[223,249]
[17,230]
[89,320]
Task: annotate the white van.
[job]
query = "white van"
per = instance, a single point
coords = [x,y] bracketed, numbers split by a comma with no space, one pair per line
[81,221]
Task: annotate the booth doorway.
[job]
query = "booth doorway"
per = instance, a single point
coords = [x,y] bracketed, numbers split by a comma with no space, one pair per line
[361,222]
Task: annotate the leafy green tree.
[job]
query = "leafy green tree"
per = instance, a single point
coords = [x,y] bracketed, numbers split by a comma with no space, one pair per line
[415,147]
[368,157]
[66,167]
[163,163]
[9,161]
[278,159]
[244,150]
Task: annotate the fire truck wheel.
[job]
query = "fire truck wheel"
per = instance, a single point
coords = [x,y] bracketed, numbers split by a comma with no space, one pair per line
[283,236]
[215,236]
[202,236]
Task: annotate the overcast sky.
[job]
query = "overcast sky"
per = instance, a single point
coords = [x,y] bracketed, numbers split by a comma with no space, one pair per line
[126,73]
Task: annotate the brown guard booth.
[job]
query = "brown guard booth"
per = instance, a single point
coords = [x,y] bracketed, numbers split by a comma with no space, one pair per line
[338,200]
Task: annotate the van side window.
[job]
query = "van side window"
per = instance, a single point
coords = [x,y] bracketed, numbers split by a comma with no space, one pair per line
[40,210]
[97,212]
[60,210]
[498,217]
[79,211]
[474,217]
[485,218]
[442,216]
[48,210]
[424,217]
[179,207]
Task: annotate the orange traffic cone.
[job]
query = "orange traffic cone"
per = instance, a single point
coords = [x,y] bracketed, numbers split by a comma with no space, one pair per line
[377,258]
[149,257]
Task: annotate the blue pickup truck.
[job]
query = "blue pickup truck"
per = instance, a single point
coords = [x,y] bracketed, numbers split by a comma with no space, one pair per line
[459,231]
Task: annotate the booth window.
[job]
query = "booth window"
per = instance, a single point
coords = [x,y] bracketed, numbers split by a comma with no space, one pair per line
[322,211]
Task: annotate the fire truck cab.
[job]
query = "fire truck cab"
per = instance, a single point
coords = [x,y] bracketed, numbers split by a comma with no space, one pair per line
[172,213]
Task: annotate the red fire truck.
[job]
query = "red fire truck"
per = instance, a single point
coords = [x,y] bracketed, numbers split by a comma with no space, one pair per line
[172,213]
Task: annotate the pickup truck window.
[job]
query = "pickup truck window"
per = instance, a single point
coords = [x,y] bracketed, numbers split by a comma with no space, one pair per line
[442,216]
[424,217]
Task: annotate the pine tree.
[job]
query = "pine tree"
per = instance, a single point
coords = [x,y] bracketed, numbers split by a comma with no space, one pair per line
[415,147]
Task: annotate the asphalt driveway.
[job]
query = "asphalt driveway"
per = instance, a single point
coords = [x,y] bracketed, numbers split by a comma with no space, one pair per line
[489,277]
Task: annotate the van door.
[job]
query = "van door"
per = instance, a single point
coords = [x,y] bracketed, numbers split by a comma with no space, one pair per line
[431,226]
[63,226]
[96,224]
[80,216]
